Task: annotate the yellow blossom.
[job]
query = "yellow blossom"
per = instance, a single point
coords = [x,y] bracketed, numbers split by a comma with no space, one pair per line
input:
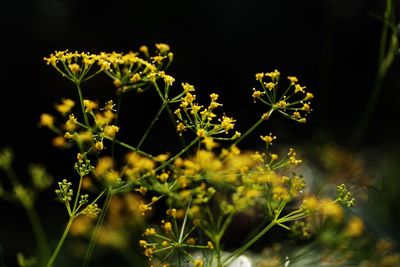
[148,252]
[201,133]
[167,227]
[309,96]
[227,123]
[198,262]
[89,105]
[269,85]
[354,228]
[99,145]
[111,130]
[268,138]
[299,88]
[256,93]
[143,243]
[58,141]
[293,79]
[163,48]
[150,231]
[282,104]
[46,120]
[259,76]
[75,68]
[65,106]
[209,143]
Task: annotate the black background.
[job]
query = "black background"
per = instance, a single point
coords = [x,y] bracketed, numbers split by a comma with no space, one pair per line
[331,46]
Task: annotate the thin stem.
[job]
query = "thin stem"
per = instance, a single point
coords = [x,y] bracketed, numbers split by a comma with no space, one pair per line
[40,236]
[78,86]
[119,102]
[170,113]
[134,149]
[151,124]
[253,127]
[60,243]
[99,223]
[243,248]
[78,192]
[385,59]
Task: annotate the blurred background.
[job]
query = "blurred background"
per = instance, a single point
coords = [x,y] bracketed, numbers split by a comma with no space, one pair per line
[332,46]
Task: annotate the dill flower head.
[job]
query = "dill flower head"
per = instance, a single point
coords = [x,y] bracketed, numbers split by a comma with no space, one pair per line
[292,102]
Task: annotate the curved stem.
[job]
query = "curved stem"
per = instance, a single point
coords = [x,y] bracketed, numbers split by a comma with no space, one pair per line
[60,243]
[99,223]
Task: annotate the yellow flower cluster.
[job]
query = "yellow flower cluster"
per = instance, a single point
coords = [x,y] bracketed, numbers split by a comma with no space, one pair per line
[203,121]
[128,71]
[293,102]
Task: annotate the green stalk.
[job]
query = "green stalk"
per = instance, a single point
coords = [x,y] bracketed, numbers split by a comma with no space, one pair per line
[99,223]
[78,86]
[243,248]
[253,127]
[78,192]
[151,124]
[40,236]
[119,102]
[33,218]
[60,243]
[385,60]
[171,115]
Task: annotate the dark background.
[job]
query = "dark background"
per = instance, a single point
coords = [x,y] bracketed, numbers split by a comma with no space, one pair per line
[331,46]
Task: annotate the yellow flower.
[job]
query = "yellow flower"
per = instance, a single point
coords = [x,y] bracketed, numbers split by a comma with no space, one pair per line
[198,262]
[268,138]
[209,143]
[163,48]
[46,120]
[293,79]
[66,106]
[75,68]
[256,93]
[111,130]
[354,228]
[150,231]
[89,105]
[298,88]
[227,123]
[201,133]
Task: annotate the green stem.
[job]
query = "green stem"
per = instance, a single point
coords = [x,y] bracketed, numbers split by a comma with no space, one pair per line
[60,243]
[243,248]
[171,115]
[39,234]
[252,128]
[78,192]
[78,86]
[99,223]
[384,62]
[125,145]
[119,102]
[151,124]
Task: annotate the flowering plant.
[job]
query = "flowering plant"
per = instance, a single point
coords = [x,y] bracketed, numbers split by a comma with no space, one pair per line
[182,202]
